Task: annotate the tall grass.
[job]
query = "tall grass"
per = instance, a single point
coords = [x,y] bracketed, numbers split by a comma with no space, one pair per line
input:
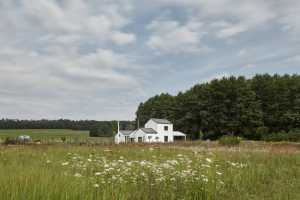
[146,172]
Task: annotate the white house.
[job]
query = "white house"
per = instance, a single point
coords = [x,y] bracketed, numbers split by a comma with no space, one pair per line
[155,130]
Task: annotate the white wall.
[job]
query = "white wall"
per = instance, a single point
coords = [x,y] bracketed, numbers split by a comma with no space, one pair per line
[120,138]
[151,124]
[139,133]
[162,132]
[152,138]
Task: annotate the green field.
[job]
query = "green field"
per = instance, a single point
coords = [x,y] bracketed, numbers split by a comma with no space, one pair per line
[52,135]
[150,172]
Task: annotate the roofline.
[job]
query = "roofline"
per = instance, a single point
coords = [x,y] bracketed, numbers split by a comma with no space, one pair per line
[153,119]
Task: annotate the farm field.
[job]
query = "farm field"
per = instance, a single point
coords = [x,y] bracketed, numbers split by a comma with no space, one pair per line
[150,172]
[52,135]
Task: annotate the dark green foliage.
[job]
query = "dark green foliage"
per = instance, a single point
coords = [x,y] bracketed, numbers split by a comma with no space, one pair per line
[292,136]
[63,139]
[251,108]
[276,137]
[103,129]
[10,140]
[228,140]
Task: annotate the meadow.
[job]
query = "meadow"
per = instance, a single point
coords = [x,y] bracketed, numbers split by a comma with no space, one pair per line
[177,171]
[50,136]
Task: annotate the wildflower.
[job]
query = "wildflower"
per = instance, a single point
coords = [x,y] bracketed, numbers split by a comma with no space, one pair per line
[208,160]
[65,163]
[77,175]
[143,163]
[89,160]
[97,173]
[204,165]
[96,185]
[205,179]
[219,173]
[48,161]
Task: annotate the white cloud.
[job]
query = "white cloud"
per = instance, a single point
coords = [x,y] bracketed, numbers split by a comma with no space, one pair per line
[69,20]
[289,17]
[237,16]
[169,36]
[123,38]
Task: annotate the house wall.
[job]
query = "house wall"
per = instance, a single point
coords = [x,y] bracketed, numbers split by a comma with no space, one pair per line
[119,138]
[151,124]
[162,132]
[139,133]
[159,128]
[152,138]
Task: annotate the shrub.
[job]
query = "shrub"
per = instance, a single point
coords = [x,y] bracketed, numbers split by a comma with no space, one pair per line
[228,140]
[63,139]
[277,137]
[294,135]
[9,140]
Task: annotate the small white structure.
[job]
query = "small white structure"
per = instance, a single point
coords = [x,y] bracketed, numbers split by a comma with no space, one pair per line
[23,138]
[155,130]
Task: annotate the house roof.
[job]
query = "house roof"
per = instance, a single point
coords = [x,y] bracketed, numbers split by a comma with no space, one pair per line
[178,133]
[161,121]
[149,130]
[125,132]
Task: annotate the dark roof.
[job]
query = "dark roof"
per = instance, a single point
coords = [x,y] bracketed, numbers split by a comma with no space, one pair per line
[125,132]
[149,130]
[161,121]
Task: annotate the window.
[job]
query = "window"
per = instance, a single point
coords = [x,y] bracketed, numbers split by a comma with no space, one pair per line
[140,139]
[166,138]
[166,128]
[126,138]
[149,137]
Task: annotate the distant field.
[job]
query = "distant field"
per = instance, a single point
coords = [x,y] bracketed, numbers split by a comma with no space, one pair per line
[52,135]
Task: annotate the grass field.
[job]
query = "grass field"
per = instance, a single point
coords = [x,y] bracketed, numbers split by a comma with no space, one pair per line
[43,133]
[149,172]
[53,135]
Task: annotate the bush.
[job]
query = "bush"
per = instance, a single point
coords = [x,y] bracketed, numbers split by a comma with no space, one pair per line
[63,139]
[292,136]
[276,137]
[9,140]
[228,140]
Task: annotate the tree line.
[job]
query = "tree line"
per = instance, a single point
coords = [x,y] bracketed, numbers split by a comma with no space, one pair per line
[96,128]
[251,108]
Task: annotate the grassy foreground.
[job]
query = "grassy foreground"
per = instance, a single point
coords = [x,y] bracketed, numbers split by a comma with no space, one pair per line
[146,172]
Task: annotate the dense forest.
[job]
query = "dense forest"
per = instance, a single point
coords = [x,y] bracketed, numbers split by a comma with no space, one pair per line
[96,128]
[251,108]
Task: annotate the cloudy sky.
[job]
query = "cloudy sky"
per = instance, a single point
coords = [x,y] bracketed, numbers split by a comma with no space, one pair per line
[98,59]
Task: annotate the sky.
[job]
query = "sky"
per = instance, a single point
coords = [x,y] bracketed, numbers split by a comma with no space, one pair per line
[98,59]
